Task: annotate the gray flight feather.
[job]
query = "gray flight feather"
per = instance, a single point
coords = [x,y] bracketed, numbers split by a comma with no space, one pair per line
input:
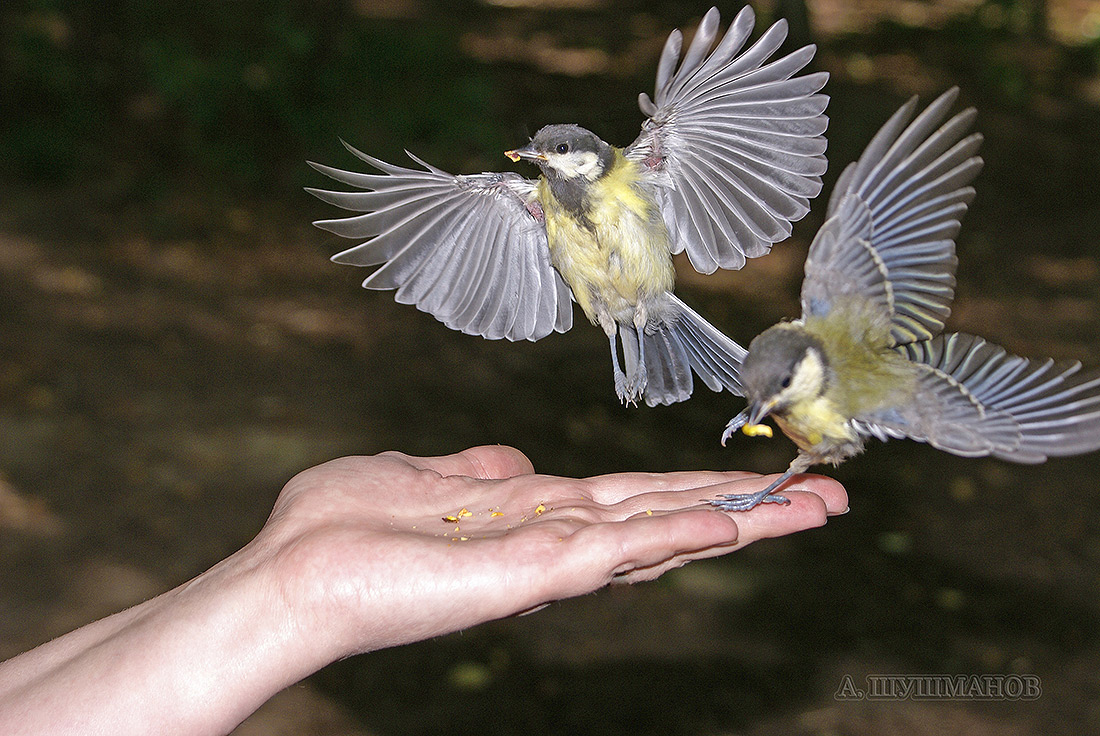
[892,220]
[977,399]
[465,249]
[736,144]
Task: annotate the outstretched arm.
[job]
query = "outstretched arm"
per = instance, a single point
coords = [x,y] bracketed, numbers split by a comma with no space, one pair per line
[369,552]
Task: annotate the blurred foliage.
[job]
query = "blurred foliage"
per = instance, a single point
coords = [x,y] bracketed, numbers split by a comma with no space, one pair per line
[1003,46]
[138,101]
[228,93]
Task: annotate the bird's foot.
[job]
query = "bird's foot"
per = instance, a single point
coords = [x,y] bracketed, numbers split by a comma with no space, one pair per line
[623,390]
[630,390]
[746,501]
[735,424]
[637,385]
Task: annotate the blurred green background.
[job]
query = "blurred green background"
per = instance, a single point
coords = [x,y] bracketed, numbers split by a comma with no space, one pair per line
[175,344]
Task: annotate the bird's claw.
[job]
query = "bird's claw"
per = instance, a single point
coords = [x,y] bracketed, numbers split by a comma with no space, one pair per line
[623,391]
[638,383]
[630,391]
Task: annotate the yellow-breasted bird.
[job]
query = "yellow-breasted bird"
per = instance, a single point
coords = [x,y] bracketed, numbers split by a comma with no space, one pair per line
[730,155]
[868,357]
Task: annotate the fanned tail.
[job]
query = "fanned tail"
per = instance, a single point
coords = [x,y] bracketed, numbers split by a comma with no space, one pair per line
[681,344]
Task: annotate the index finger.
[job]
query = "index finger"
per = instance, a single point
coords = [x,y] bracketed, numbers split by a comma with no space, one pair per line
[617,487]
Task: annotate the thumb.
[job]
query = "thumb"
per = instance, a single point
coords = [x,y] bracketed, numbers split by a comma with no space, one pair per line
[486,462]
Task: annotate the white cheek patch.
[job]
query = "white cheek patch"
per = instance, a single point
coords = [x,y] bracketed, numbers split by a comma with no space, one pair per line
[576,164]
[808,379]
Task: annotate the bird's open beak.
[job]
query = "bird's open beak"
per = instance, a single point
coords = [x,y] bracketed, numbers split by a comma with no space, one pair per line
[526,152]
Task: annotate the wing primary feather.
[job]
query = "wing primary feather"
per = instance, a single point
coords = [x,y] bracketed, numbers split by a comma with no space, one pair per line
[909,139]
[697,51]
[733,40]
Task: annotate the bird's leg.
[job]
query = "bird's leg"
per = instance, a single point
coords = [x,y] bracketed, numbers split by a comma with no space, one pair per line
[611,329]
[640,379]
[746,501]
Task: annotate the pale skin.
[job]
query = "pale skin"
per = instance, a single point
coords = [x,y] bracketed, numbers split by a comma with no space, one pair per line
[357,556]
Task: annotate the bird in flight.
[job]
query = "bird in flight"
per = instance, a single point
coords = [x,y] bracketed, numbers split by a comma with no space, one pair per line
[869,358]
[729,156]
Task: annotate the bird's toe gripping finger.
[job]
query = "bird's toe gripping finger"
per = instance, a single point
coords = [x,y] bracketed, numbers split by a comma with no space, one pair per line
[745,501]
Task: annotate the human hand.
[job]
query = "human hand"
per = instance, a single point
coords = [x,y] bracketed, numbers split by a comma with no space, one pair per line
[379,551]
[366,552]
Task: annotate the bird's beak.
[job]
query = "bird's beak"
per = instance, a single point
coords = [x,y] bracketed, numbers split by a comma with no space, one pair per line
[526,152]
[757,412]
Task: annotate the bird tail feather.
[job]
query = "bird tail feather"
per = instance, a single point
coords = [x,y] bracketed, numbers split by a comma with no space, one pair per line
[680,344]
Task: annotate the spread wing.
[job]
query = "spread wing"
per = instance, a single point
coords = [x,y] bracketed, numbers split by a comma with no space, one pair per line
[892,220]
[974,399]
[466,249]
[735,142]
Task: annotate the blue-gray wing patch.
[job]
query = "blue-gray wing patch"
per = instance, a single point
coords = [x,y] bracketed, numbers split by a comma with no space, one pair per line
[892,220]
[976,399]
[735,144]
[469,250]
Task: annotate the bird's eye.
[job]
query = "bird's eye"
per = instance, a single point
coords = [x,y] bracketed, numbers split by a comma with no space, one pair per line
[786,382]
[562,148]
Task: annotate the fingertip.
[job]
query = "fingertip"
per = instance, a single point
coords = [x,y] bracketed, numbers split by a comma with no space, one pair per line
[829,490]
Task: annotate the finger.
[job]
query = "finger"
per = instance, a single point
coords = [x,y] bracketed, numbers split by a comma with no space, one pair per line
[827,489]
[595,554]
[487,462]
[830,491]
[611,489]
[806,511]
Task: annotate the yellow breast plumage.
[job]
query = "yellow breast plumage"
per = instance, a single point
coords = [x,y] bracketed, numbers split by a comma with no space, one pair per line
[614,253]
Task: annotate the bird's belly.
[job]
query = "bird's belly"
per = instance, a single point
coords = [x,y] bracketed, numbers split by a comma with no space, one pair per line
[614,262]
[818,429]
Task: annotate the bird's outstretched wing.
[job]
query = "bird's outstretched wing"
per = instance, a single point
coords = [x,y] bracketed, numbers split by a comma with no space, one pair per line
[469,250]
[735,143]
[892,219]
[976,399]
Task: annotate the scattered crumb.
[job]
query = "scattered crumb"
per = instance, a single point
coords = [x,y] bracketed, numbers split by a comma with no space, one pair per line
[460,515]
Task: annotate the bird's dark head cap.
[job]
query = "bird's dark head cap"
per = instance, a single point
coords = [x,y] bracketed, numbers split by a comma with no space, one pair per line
[775,356]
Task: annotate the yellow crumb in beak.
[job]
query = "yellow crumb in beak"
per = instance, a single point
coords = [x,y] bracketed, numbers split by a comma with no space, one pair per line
[512,155]
[757,430]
